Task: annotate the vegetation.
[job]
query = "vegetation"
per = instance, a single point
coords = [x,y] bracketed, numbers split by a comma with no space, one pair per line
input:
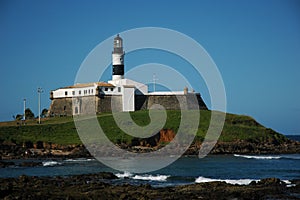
[61,130]
[44,113]
[29,114]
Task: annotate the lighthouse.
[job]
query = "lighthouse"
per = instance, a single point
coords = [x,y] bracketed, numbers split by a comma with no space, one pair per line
[118,59]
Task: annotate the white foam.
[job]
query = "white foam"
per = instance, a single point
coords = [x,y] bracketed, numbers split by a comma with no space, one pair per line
[258,157]
[151,177]
[50,163]
[288,183]
[124,175]
[202,179]
[80,160]
[142,177]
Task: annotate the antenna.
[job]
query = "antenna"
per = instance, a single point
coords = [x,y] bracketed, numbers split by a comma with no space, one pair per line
[154,82]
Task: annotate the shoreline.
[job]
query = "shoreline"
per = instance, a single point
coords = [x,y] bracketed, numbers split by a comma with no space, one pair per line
[99,185]
[10,151]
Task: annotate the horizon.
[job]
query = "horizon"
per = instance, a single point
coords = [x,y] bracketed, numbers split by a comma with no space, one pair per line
[255,45]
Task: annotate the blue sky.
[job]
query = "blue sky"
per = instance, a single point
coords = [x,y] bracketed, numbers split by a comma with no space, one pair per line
[255,44]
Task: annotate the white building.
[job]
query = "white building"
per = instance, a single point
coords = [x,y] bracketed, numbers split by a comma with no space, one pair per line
[127,94]
[117,86]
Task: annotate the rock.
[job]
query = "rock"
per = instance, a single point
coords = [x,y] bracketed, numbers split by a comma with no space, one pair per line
[93,186]
[107,175]
[6,164]
[24,178]
[271,182]
[30,164]
[295,181]
[166,135]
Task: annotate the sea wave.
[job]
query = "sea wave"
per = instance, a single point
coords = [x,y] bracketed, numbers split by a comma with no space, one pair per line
[258,157]
[50,163]
[80,160]
[151,177]
[124,175]
[202,179]
[146,177]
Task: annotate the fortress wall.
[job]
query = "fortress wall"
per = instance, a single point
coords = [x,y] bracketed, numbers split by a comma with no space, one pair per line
[196,102]
[172,102]
[65,107]
[86,105]
[107,102]
[60,107]
[169,102]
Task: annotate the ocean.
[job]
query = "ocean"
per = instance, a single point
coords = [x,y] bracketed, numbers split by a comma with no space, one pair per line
[294,137]
[235,169]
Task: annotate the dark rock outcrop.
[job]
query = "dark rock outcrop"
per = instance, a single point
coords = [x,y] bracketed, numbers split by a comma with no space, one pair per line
[244,147]
[96,186]
[6,164]
[30,164]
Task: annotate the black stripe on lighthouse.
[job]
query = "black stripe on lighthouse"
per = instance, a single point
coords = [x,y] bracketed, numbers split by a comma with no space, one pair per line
[118,70]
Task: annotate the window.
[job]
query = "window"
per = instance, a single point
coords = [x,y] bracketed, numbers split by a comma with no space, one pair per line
[119,89]
[73,93]
[89,91]
[79,92]
[92,91]
[111,89]
[66,93]
[106,89]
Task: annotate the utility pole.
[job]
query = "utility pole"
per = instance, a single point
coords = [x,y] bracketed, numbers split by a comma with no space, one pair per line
[24,115]
[40,90]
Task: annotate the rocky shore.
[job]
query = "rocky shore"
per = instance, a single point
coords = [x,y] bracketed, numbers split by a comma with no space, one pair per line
[43,150]
[98,186]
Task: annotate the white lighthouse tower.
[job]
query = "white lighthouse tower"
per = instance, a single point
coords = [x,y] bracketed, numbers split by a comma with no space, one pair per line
[122,84]
[118,59]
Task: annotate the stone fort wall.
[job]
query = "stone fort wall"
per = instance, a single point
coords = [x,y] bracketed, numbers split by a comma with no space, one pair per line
[170,102]
[87,105]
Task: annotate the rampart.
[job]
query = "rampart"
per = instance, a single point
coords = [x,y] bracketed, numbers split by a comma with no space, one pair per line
[105,103]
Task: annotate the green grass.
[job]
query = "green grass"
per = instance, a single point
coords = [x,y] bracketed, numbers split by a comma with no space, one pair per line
[63,133]
[61,130]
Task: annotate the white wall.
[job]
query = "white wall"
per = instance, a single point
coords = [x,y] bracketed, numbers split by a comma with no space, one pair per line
[118,59]
[86,91]
[74,92]
[123,82]
[128,99]
[112,90]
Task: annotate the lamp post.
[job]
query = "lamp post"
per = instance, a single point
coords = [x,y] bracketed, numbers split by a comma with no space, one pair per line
[40,90]
[24,115]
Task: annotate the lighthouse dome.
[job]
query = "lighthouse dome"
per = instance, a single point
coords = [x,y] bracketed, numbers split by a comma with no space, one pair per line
[118,42]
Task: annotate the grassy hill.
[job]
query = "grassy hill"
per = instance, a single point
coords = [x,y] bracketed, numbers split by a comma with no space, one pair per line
[61,130]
